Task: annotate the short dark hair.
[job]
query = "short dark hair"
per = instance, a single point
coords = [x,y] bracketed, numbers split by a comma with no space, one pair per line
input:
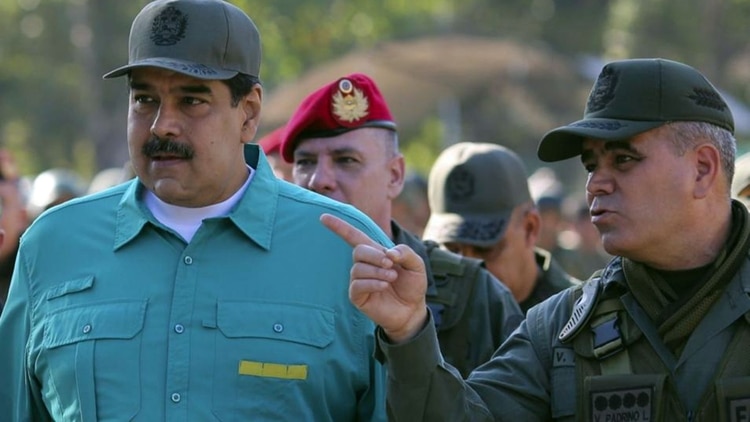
[240,85]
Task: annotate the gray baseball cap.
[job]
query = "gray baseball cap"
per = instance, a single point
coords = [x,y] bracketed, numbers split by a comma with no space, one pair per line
[633,96]
[205,39]
[473,190]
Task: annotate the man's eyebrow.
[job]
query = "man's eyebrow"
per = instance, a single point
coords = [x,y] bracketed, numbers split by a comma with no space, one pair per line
[139,86]
[196,89]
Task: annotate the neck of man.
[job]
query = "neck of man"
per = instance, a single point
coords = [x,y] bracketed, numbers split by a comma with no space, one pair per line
[698,245]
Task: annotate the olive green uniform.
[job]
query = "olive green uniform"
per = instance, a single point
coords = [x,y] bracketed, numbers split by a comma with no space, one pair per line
[551,278]
[474,312]
[590,353]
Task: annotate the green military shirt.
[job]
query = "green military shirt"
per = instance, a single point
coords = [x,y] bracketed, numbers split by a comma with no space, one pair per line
[551,278]
[533,376]
[486,318]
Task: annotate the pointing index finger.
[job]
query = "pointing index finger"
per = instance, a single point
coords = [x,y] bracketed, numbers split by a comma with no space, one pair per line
[350,234]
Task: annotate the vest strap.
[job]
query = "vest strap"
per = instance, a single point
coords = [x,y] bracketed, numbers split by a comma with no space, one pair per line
[608,344]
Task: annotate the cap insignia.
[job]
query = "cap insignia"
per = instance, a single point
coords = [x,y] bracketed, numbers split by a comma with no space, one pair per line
[707,98]
[349,103]
[604,90]
[460,185]
[168,27]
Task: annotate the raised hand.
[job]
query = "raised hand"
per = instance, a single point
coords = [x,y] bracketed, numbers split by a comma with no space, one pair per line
[387,285]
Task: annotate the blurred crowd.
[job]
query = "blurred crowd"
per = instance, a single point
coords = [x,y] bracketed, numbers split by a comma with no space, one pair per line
[566,230]
[24,197]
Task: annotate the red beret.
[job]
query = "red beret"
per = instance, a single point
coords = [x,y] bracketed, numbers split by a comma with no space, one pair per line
[271,142]
[349,103]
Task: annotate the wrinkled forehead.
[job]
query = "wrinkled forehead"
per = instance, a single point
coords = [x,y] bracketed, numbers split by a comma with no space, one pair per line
[642,142]
[596,147]
[365,141]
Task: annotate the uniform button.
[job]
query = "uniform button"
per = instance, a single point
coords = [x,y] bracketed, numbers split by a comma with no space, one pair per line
[176,397]
[178,328]
[278,328]
[188,260]
[86,328]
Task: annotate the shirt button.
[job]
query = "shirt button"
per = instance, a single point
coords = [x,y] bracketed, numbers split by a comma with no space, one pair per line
[176,397]
[278,328]
[188,260]
[86,328]
[179,328]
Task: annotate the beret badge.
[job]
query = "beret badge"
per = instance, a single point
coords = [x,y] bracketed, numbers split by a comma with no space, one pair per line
[349,103]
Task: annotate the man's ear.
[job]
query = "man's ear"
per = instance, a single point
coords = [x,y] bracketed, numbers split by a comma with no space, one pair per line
[251,105]
[707,161]
[397,169]
[532,225]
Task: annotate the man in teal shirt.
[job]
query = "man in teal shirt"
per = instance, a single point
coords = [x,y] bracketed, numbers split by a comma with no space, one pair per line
[204,289]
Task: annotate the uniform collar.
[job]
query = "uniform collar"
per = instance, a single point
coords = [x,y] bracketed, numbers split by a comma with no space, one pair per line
[253,215]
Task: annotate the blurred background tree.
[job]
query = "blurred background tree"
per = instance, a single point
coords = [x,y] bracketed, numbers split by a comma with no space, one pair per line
[56,111]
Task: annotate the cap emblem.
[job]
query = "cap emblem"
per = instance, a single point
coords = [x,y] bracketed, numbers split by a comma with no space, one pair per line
[168,27]
[604,90]
[349,103]
[708,98]
[460,185]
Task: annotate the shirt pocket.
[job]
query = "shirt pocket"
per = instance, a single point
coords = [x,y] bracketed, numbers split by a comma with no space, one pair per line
[91,355]
[271,359]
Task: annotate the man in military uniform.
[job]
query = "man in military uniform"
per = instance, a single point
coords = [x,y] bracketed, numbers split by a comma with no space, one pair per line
[342,140]
[661,334]
[481,207]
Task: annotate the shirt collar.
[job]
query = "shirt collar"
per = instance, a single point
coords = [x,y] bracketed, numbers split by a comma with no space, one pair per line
[253,215]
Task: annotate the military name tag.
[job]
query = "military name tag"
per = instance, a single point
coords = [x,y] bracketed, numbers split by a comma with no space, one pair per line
[733,397]
[627,405]
[738,410]
[623,397]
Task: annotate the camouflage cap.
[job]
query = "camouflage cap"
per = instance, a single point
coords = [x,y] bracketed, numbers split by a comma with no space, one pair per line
[205,39]
[473,190]
[633,96]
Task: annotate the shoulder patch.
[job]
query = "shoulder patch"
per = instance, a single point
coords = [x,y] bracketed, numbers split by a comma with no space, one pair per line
[581,310]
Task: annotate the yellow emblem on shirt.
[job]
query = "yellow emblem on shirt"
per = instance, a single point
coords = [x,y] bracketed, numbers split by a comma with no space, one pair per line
[273,370]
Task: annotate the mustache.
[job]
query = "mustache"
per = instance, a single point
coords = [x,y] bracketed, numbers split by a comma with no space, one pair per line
[156,145]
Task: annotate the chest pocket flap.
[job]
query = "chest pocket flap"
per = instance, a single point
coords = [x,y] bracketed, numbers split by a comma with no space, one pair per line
[96,321]
[297,323]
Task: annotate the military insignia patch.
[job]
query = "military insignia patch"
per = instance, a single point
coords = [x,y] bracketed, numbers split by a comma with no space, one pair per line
[459,185]
[349,103]
[604,90]
[168,27]
[707,98]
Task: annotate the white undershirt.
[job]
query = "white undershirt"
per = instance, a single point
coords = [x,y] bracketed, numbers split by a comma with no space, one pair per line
[186,221]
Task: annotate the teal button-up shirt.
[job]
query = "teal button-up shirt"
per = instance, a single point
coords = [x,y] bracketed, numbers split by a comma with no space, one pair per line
[112,316]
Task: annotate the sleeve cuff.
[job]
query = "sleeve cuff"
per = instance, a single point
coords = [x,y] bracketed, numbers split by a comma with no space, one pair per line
[413,360]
